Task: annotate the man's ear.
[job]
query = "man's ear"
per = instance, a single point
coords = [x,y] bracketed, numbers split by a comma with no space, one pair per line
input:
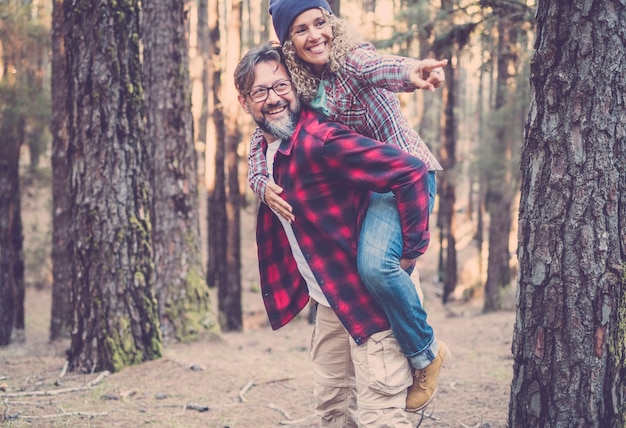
[244,104]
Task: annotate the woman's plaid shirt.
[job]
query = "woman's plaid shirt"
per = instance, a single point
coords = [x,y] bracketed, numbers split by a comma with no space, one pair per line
[328,173]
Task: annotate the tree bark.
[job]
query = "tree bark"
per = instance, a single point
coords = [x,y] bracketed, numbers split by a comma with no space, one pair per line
[569,336]
[447,157]
[11,238]
[229,301]
[215,155]
[61,263]
[114,310]
[184,305]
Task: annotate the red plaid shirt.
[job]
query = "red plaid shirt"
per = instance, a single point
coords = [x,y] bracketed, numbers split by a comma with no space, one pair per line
[327,172]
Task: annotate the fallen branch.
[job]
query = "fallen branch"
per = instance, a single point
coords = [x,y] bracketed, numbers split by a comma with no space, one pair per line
[267,382]
[62,415]
[47,393]
[250,384]
[197,407]
[63,372]
[278,409]
[244,390]
[24,403]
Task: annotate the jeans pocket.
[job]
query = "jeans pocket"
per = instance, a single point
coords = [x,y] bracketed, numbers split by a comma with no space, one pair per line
[389,370]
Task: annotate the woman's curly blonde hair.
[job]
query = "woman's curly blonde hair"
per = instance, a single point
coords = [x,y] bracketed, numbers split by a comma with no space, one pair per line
[304,80]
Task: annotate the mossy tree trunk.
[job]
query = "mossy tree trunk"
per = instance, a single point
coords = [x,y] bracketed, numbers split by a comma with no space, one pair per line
[114,309]
[182,293]
[570,333]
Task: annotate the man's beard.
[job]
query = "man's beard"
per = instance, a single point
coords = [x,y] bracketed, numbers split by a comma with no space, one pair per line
[282,128]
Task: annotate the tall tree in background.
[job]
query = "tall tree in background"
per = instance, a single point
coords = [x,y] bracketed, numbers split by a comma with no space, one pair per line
[184,305]
[61,262]
[11,238]
[266,22]
[335,6]
[24,37]
[23,117]
[482,154]
[503,145]
[115,317]
[448,45]
[229,300]
[569,340]
[214,136]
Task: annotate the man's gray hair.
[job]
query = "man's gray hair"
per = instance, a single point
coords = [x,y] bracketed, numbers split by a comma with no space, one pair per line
[244,73]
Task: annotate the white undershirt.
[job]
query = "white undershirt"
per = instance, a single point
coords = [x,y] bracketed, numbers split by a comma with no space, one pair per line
[314,289]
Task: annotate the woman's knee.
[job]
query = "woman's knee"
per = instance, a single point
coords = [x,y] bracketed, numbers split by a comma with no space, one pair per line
[377,270]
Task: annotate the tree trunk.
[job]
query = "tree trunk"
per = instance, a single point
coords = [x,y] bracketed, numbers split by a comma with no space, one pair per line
[11,238]
[446,187]
[61,262]
[266,22]
[230,287]
[335,6]
[215,154]
[498,261]
[569,334]
[500,183]
[115,317]
[184,305]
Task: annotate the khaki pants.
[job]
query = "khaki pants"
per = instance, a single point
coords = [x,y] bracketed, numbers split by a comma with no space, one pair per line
[358,386]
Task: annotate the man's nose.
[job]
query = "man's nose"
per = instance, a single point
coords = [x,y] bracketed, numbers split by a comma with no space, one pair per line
[272,96]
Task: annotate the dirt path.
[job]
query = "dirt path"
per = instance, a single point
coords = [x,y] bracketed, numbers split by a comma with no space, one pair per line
[256,378]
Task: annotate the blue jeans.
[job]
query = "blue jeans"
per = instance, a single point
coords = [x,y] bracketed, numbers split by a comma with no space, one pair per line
[432,190]
[379,253]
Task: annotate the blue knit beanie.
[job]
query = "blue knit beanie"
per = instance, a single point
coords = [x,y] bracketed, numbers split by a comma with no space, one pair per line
[284,12]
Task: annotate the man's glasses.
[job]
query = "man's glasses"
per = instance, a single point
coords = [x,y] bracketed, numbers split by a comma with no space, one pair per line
[260,93]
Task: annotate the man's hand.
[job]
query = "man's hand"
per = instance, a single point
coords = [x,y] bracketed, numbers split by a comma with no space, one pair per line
[407,263]
[428,74]
[276,203]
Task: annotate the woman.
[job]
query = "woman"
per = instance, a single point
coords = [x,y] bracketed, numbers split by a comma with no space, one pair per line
[352,84]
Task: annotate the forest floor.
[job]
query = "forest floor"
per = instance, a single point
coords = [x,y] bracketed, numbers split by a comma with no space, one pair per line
[250,379]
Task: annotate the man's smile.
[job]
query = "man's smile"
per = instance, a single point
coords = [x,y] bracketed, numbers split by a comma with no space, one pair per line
[276,109]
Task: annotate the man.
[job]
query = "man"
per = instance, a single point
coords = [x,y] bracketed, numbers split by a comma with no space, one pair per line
[328,173]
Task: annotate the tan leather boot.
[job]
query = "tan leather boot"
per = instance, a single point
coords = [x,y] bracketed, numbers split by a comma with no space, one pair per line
[425,381]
